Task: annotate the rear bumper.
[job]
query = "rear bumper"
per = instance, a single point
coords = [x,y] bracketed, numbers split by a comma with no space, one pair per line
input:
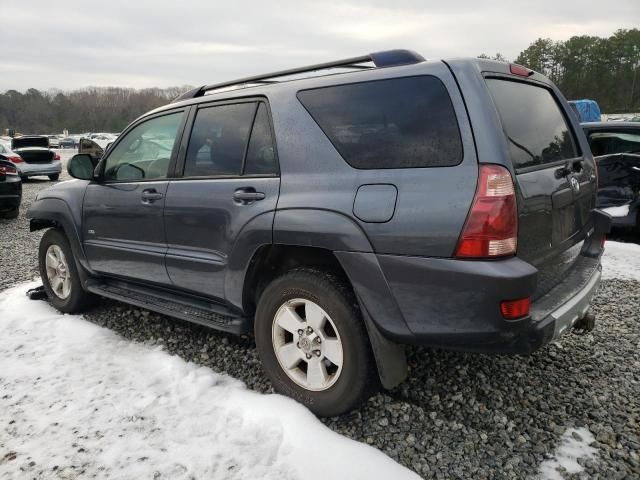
[33,169]
[455,304]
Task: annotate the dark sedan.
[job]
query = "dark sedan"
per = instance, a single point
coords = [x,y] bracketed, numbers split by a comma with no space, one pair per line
[10,189]
[68,142]
[616,149]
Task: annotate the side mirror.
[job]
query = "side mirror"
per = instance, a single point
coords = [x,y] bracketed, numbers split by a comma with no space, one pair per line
[81,166]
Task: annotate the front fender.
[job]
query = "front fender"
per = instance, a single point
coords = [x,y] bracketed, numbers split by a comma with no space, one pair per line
[55,212]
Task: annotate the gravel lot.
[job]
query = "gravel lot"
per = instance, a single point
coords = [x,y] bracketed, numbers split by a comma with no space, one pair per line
[458,415]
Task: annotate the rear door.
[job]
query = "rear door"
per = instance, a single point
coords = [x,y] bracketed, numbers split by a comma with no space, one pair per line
[556,181]
[228,190]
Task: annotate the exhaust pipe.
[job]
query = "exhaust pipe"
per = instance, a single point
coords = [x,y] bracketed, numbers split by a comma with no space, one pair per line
[585,324]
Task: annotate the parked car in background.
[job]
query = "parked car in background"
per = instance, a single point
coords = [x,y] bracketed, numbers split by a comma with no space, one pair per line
[443,203]
[92,148]
[616,148]
[54,141]
[69,142]
[10,189]
[9,154]
[37,158]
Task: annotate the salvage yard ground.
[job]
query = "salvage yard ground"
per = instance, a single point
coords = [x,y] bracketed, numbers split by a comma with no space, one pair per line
[153,397]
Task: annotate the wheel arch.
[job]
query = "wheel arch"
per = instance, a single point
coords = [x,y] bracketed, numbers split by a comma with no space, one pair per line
[271,261]
[56,213]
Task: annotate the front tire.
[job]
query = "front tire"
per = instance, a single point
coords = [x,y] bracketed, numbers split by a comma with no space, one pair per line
[313,344]
[60,275]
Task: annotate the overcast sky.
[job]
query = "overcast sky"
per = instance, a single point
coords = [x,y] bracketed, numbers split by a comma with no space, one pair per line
[140,43]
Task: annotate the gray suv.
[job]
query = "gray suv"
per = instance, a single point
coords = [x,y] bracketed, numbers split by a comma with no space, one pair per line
[378,201]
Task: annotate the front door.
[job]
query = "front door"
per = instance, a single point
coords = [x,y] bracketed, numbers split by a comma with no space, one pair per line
[229,190]
[123,212]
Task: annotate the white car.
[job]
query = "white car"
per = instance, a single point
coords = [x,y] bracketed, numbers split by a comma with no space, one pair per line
[32,157]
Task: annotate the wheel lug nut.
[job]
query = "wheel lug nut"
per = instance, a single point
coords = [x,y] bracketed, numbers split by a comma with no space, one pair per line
[300,332]
[317,352]
[309,330]
[308,356]
[317,340]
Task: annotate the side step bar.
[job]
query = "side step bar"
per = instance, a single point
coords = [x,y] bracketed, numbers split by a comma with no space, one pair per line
[184,307]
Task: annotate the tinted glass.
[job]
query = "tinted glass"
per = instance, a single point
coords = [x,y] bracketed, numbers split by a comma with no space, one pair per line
[399,123]
[261,158]
[218,140]
[145,152]
[533,123]
[607,143]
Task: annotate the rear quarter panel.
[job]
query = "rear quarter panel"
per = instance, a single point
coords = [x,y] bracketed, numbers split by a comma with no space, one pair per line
[432,203]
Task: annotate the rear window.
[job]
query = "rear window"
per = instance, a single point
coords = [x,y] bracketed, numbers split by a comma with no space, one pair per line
[400,123]
[535,127]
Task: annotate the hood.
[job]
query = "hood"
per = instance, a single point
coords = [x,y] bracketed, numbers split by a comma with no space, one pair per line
[28,142]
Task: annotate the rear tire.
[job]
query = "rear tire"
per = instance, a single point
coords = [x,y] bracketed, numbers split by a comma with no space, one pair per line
[54,177]
[330,368]
[57,264]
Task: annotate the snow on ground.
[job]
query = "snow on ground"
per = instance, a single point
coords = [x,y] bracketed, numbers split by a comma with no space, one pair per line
[79,401]
[621,260]
[574,445]
[621,211]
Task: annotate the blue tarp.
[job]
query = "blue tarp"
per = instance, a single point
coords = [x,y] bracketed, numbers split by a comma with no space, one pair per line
[587,110]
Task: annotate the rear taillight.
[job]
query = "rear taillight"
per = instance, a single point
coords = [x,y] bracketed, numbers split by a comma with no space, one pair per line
[491,229]
[15,159]
[57,157]
[7,170]
[514,309]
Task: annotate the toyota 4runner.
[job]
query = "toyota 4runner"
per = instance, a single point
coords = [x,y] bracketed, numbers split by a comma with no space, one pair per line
[375,202]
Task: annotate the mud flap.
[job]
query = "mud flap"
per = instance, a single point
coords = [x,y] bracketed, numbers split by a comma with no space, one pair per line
[391,359]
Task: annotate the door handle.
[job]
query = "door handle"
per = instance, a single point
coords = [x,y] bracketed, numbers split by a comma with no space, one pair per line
[247,195]
[151,195]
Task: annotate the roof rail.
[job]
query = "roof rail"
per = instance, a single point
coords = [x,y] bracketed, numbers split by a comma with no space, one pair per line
[388,58]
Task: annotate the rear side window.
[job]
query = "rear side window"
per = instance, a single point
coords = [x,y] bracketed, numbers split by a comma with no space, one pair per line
[400,123]
[535,127]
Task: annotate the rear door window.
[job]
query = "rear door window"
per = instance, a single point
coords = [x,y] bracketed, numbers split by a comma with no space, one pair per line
[536,129]
[399,123]
[219,140]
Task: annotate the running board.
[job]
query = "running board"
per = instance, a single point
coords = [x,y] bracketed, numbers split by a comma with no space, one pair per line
[184,307]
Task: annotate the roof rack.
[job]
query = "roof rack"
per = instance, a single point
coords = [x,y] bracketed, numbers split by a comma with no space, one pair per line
[388,58]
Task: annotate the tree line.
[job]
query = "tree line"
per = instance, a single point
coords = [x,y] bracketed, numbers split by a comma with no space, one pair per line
[94,109]
[603,69]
